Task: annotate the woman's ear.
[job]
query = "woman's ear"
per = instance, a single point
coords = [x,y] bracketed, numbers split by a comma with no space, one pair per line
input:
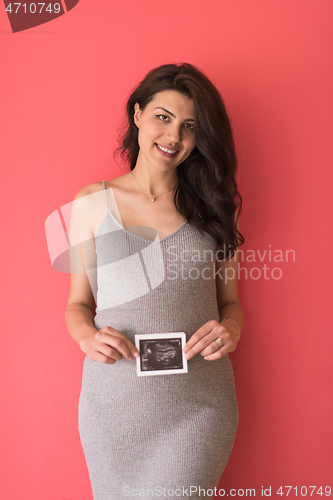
[137,114]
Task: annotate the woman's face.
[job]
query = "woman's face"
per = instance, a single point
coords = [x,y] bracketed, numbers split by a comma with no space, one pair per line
[167,121]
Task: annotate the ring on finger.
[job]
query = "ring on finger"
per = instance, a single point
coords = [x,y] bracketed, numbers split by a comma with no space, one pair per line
[219,341]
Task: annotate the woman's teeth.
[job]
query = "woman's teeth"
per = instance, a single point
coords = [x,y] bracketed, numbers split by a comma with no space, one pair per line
[166,150]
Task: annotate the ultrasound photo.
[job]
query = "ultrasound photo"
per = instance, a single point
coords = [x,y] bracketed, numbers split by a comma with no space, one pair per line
[161,354]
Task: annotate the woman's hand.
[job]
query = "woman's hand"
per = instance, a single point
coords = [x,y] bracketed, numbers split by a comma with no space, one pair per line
[108,346]
[203,341]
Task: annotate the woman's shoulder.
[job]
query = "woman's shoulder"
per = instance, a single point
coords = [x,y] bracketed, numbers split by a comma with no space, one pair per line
[92,188]
[88,209]
[95,187]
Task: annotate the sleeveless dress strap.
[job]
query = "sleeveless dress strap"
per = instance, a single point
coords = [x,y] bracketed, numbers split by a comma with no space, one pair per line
[106,195]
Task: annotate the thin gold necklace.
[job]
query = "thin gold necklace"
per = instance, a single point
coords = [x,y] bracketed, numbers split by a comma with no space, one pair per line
[153,197]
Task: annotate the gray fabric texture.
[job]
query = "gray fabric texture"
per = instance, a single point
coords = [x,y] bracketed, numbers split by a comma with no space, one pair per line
[176,431]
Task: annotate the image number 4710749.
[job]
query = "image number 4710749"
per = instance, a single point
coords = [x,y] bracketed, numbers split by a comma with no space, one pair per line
[23,16]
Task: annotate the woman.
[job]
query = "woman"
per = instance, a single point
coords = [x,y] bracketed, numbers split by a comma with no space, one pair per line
[175,431]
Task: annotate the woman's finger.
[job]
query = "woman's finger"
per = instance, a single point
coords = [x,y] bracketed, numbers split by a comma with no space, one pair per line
[198,335]
[118,341]
[213,346]
[98,356]
[133,350]
[109,351]
[222,351]
[209,332]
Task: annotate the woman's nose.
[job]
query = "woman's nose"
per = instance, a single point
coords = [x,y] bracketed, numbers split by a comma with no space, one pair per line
[174,134]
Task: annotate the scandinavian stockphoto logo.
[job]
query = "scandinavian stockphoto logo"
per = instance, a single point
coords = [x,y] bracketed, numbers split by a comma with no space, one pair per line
[136,265]
[23,16]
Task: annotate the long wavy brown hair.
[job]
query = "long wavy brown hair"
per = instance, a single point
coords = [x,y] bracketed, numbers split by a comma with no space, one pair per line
[206,194]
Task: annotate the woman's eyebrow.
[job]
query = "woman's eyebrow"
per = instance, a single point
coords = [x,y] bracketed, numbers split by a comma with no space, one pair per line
[167,111]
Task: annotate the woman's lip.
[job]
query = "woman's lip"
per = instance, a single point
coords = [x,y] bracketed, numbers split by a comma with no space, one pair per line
[165,154]
[166,147]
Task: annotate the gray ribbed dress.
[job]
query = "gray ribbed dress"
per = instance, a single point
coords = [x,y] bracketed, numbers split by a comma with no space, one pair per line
[156,436]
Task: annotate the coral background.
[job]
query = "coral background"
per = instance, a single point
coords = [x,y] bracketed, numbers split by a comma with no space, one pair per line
[63,90]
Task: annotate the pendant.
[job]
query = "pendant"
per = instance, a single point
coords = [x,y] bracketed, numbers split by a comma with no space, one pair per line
[153,198]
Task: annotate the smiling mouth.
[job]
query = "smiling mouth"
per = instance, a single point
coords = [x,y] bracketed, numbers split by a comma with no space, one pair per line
[165,150]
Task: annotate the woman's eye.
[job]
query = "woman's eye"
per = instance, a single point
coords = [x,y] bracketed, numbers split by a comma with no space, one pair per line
[191,126]
[164,116]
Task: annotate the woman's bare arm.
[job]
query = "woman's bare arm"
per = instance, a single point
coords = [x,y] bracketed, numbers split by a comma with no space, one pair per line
[108,344]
